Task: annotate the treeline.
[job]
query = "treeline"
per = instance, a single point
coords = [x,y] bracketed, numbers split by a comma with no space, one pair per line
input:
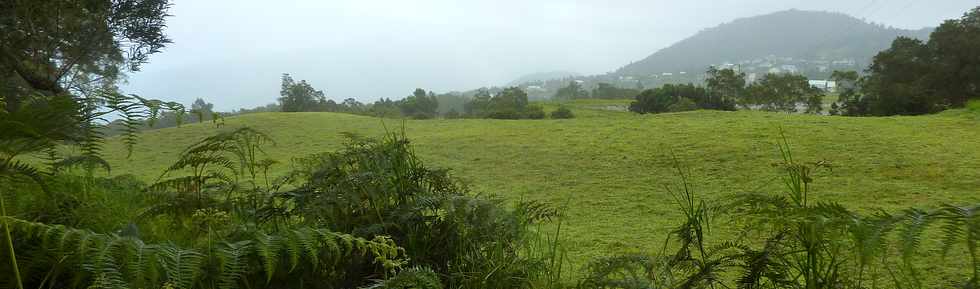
[603,90]
[509,103]
[726,89]
[911,77]
[301,96]
[915,77]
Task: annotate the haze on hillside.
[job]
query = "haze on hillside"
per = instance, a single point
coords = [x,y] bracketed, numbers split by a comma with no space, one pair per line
[235,51]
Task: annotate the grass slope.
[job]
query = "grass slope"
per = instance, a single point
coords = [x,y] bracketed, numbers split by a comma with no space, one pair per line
[611,167]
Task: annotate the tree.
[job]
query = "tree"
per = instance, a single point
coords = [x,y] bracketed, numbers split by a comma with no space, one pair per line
[912,77]
[725,88]
[562,112]
[955,68]
[783,92]
[479,106]
[609,91]
[419,105]
[573,90]
[201,108]
[849,100]
[75,47]
[299,96]
[508,104]
[896,82]
[663,99]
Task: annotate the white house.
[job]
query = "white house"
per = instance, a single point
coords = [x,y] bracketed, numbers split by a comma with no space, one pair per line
[825,85]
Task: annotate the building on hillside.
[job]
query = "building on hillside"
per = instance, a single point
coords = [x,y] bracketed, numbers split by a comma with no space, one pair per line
[789,68]
[825,85]
[535,88]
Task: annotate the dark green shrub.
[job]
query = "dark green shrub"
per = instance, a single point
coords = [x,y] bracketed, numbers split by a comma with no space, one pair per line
[534,112]
[683,104]
[380,188]
[562,112]
[413,278]
[451,114]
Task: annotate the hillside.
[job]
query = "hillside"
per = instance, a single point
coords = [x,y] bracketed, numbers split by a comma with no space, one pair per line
[542,76]
[801,35]
[610,167]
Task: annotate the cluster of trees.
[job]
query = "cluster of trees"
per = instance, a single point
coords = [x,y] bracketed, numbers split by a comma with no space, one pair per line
[301,96]
[510,103]
[604,90]
[915,77]
[725,89]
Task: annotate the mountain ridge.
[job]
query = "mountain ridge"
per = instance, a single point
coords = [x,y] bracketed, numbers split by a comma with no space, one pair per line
[816,35]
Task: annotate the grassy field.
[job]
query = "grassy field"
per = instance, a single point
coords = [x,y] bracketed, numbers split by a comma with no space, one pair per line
[611,167]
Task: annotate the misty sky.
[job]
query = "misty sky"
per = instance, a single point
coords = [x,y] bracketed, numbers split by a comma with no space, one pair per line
[232,52]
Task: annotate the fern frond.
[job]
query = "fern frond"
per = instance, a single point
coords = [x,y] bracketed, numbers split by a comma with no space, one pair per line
[268,249]
[233,263]
[87,161]
[181,265]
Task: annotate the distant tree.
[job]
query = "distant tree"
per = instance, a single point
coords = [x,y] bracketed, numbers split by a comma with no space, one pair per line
[573,90]
[451,101]
[682,104]
[451,114]
[508,104]
[331,106]
[201,108]
[663,99]
[849,100]
[299,96]
[385,107]
[419,105]
[725,88]
[783,92]
[533,112]
[609,91]
[654,100]
[562,112]
[479,106]
[352,105]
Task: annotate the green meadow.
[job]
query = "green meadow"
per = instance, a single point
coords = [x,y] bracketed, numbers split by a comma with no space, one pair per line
[609,170]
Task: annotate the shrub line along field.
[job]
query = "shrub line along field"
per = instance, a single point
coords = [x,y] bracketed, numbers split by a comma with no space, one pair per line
[611,167]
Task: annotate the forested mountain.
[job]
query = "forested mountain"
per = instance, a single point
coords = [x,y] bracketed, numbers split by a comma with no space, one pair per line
[807,36]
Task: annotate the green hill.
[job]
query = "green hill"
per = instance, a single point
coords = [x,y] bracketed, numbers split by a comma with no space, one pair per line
[801,35]
[611,167]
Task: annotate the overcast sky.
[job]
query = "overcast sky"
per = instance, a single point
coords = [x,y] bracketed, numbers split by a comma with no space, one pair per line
[232,52]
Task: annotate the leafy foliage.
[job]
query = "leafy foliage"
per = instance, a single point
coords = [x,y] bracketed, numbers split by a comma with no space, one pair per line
[562,112]
[914,77]
[783,92]
[73,258]
[573,90]
[510,103]
[374,188]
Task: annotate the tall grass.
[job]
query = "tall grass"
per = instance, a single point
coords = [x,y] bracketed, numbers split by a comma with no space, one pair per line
[792,239]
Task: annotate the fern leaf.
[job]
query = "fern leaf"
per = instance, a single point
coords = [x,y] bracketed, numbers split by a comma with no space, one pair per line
[268,249]
[180,265]
[233,264]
